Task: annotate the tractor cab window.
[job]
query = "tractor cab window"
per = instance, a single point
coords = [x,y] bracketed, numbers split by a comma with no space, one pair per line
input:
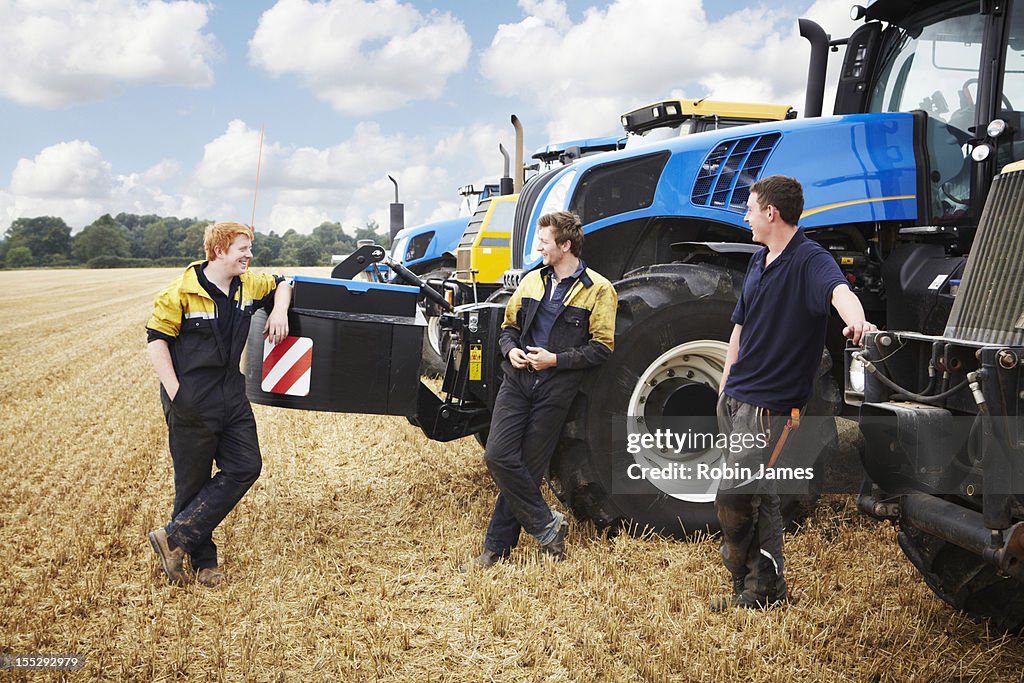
[933,66]
[653,135]
[1011,104]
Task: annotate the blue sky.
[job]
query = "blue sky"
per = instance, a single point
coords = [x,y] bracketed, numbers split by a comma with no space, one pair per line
[156,107]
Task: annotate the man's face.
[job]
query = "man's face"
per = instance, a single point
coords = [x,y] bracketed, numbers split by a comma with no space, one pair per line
[759,220]
[552,253]
[238,255]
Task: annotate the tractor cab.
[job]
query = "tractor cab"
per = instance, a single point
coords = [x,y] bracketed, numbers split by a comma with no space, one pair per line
[957,65]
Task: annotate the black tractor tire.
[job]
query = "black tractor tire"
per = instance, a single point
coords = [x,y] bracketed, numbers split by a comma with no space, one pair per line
[658,311]
[965,581]
[435,346]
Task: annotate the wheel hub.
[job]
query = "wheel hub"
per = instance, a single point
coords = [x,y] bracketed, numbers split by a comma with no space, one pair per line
[681,384]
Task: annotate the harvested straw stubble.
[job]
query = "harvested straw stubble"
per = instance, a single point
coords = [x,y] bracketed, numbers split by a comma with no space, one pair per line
[343,560]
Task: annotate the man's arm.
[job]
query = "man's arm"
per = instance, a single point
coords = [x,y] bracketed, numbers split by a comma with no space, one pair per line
[276,328]
[160,356]
[849,308]
[731,355]
[510,338]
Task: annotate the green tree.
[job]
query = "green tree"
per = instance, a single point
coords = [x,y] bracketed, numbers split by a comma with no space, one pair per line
[371,231]
[191,241]
[156,241]
[104,237]
[45,237]
[135,225]
[310,253]
[19,257]
[334,239]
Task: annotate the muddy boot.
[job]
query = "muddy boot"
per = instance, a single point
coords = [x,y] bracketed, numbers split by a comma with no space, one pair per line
[485,560]
[555,548]
[172,557]
[211,577]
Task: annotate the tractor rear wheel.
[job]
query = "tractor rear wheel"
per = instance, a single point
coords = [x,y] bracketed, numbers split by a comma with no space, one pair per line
[435,344]
[965,581]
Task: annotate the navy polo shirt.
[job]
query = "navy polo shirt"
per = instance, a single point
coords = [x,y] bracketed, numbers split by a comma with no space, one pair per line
[784,311]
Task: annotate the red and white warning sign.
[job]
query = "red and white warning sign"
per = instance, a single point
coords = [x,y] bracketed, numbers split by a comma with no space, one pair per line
[287,366]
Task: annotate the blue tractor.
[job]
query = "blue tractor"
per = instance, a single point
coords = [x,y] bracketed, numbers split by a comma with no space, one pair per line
[895,186]
[896,183]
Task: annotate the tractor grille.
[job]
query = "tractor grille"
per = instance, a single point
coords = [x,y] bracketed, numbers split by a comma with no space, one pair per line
[473,227]
[463,261]
[730,169]
[989,307]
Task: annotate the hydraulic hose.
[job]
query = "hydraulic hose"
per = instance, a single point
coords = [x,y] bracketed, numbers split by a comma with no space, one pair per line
[902,391]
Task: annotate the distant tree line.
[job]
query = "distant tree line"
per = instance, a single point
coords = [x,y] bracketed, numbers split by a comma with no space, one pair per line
[130,240]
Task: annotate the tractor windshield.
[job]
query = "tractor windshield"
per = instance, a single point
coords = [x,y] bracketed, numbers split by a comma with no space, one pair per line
[933,66]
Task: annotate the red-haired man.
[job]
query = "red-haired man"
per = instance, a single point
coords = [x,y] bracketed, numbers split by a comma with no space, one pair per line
[195,337]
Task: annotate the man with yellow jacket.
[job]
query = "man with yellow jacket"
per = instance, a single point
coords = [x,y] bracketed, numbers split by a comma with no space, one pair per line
[195,339]
[559,322]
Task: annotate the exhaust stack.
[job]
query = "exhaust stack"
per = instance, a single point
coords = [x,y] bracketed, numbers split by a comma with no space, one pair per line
[397,213]
[506,186]
[517,179]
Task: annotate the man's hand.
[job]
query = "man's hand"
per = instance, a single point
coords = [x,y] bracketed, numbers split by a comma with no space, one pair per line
[855,332]
[540,359]
[276,328]
[172,391]
[518,359]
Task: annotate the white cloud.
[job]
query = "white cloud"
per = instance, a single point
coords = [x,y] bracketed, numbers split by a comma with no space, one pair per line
[361,56]
[631,52]
[63,52]
[73,180]
[300,187]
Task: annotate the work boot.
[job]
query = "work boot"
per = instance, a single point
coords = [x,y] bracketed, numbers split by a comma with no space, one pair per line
[745,600]
[779,593]
[555,548]
[485,560]
[172,557]
[211,577]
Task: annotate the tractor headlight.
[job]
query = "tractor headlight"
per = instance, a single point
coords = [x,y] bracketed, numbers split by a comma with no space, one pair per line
[855,375]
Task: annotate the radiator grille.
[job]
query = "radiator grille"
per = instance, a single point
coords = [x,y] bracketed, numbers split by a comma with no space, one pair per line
[730,169]
[989,307]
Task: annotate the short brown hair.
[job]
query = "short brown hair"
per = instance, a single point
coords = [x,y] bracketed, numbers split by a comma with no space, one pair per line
[220,235]
[565,227]
[782,192]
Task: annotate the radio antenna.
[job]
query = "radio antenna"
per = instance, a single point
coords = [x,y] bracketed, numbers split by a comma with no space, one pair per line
[259,159]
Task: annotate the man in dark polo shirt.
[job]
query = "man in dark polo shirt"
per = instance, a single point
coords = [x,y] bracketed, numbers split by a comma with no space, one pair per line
[779,329]
[559,322]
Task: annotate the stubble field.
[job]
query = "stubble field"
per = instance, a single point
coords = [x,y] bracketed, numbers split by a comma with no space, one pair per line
[343,560]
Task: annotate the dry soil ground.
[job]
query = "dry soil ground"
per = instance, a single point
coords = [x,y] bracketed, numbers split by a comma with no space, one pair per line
[343,559]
